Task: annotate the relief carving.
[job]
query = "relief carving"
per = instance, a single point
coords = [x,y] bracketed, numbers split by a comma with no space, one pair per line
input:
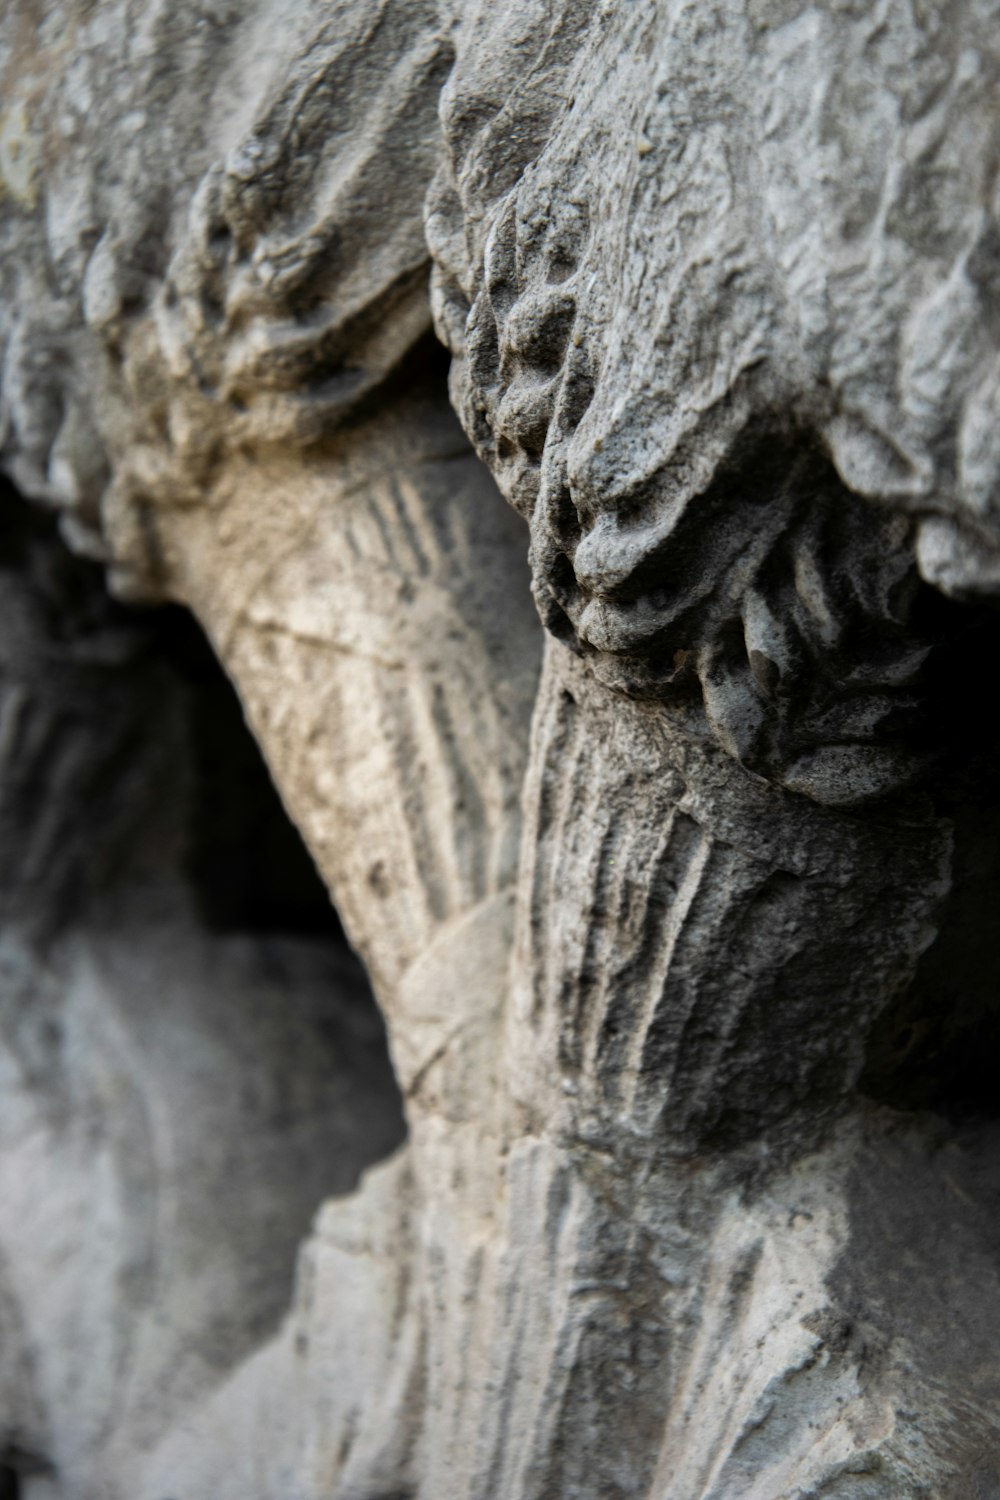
[677,905]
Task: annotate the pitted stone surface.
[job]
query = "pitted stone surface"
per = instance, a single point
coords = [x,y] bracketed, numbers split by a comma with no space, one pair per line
[678,911]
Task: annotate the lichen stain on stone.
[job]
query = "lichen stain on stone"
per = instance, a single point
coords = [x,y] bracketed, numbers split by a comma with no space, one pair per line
[18,155]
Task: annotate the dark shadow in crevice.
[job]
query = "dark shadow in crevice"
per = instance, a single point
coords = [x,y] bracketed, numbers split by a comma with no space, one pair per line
[123,711]
[244,859]
[132,767]
[937,1046]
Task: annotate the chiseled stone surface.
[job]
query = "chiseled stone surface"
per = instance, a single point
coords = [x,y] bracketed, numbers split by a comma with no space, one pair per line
[678,910]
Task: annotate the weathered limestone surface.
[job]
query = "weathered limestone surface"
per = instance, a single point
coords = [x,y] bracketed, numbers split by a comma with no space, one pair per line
[679,912]
[176,1098]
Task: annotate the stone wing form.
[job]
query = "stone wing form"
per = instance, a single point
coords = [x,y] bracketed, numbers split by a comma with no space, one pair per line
[713,277]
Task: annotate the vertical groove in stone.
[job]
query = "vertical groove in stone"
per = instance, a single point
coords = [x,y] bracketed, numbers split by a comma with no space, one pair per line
[673,930]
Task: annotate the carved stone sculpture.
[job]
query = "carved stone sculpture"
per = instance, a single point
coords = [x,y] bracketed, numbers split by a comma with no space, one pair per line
[679,912]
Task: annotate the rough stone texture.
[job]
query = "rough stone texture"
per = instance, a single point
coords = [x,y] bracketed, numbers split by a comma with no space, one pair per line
[680,924]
